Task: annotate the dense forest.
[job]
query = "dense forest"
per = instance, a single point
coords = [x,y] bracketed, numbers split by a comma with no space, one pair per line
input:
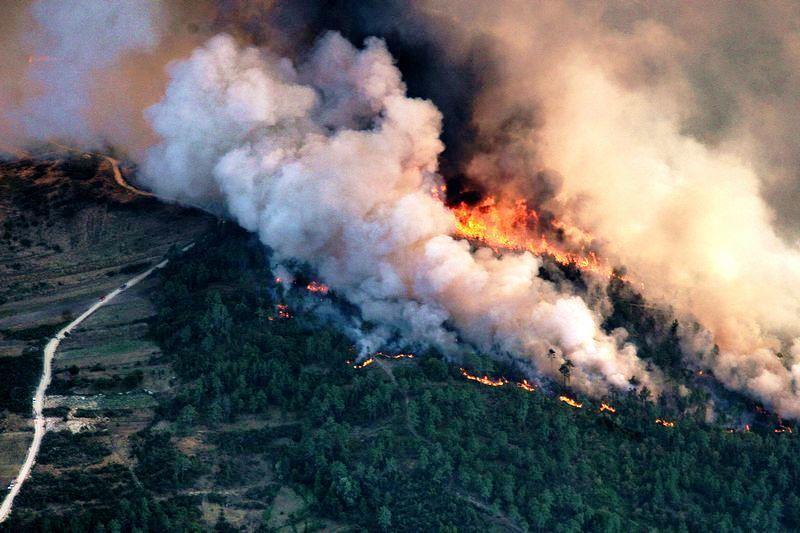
[409,444]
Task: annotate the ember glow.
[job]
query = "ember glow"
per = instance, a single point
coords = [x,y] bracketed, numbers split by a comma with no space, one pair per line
[317,287]
[283,311]
[524,385]
[569,401]
[665,423]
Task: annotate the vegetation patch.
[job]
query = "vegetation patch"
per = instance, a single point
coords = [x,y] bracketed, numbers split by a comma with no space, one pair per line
[65,449]
[19,378]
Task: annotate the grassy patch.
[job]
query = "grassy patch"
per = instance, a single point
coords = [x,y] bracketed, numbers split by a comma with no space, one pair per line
[108,349]
[43,331]
[102,402]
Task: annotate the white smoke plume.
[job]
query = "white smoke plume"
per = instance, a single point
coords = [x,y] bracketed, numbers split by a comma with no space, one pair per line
[668,127]
[332,164]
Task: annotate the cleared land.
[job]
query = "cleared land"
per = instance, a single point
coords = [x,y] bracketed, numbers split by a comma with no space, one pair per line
[69,233]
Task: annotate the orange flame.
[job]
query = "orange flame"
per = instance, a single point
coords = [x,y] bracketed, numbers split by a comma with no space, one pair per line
[782,429]
[364,363]
[396,356]
[606,407]
[317,287]
[665,423]
[526,386]
[283,311]
[516,227]
[485,380]
[570,401]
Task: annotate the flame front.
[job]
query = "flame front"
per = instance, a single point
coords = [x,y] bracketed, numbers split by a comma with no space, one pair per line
[364,363]
[569,401]
[39,59]
[665,423]
[606,407]
[317,287]
[485,380]
[503,226]
[396,356]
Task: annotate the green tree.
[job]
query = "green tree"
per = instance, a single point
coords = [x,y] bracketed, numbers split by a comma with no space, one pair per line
[384,518]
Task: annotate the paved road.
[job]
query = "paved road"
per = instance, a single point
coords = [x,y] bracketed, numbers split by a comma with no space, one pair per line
[38,399]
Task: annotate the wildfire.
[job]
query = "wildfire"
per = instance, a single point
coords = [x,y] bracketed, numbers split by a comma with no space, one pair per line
[283,311]
[485,380]
[317,287]
[606,407]
[365,363]
[665,423]
[396,356]
[782,429]
[569,401]
[516,227]
[526,386]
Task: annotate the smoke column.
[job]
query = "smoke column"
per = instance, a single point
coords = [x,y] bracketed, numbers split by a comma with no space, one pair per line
[673,133]
[332,164]
[666,132]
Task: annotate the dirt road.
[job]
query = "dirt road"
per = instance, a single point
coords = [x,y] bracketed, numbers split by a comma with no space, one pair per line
[38,399]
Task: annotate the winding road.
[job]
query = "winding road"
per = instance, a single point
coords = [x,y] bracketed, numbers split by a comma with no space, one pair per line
[52,346]
[38,399]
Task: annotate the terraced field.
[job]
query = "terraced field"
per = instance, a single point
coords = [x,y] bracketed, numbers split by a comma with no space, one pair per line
[69,233]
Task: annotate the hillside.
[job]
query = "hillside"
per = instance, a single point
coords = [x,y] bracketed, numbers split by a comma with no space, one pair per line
[272,427]
[69,234]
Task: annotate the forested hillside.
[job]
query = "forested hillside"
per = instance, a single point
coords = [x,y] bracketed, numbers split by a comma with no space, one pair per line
[269,404]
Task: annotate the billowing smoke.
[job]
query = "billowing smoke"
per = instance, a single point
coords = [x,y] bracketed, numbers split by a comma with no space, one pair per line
[331,163]
[670,130]
[666,132]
